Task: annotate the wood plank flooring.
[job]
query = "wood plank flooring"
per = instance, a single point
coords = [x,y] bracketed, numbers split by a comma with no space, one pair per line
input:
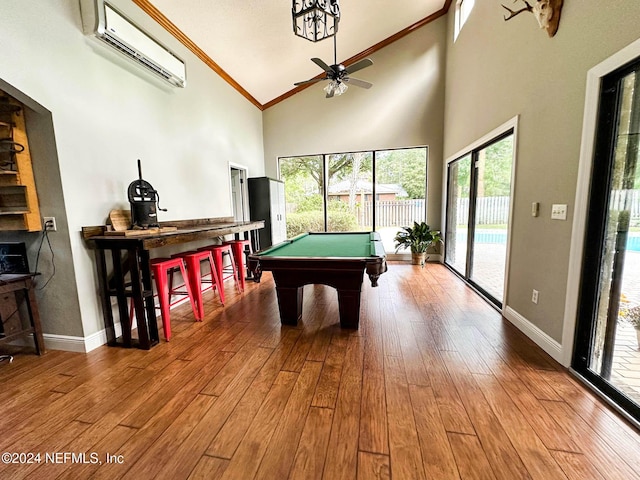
[434,385]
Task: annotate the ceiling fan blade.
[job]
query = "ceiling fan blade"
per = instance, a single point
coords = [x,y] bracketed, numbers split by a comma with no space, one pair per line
[313,80]
[359,65]
[322,65]
[357,83]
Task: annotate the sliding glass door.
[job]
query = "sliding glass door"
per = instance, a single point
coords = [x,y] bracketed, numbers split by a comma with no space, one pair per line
[492,187]
[478,203]
[608,342]
[456,235]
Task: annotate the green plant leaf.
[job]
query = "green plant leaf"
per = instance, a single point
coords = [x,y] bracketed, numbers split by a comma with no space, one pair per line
[418,239]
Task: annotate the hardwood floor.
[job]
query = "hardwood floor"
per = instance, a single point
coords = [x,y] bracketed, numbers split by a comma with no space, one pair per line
[434,385]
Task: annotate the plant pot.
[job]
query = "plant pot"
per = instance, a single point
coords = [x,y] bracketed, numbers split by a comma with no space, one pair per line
[418,258]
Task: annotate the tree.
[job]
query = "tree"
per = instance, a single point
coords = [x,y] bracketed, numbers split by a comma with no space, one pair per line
[494,175]
[405,167]
[498,158]
[339,166]
[359,163]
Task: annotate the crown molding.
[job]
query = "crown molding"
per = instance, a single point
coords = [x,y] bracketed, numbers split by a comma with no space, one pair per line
[163,21]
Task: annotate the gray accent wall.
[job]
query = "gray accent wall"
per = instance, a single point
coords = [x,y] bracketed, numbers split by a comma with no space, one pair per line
[497,70]
[56,292]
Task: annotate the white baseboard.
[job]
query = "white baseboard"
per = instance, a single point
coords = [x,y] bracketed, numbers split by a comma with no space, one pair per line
[406,257]
[544,341]
[69,343]
[55,342]
[99,339]
[65,342]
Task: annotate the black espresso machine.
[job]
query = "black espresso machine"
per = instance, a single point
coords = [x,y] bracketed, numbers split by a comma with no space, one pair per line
[145,203]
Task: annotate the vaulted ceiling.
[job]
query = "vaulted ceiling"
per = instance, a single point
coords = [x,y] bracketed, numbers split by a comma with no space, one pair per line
[252,45]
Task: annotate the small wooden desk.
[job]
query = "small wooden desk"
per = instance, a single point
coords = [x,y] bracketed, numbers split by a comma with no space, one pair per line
[17,283]
[136,262]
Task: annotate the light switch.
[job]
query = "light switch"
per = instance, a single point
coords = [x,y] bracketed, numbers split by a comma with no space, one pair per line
[558,211]
[535,208]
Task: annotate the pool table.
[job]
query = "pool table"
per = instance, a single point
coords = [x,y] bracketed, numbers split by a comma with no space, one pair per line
[335,259]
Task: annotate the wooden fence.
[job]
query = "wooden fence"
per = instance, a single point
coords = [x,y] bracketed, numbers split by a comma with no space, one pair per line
[391,213]
[627,200]
[396,213]
[489,210]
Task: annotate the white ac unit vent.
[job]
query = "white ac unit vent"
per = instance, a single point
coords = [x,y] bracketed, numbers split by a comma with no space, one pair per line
[99,18]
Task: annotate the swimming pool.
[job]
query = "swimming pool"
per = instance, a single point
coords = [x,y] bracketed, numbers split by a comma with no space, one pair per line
[500,237]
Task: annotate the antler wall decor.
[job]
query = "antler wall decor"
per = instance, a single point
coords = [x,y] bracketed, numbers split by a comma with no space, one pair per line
[547,13]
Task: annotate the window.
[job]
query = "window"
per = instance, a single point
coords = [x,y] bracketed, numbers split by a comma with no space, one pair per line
[463,10]
[335,192]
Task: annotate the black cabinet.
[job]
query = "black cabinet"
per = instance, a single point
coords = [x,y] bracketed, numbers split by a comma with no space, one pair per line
[266,202]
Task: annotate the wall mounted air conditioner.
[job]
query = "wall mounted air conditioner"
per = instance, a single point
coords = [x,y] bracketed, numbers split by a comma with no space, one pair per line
[99,18]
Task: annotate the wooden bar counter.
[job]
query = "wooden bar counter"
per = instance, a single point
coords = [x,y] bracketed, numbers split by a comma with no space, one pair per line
[131,254]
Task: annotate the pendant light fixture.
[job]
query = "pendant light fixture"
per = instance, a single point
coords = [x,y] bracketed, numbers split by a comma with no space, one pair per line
[315,20]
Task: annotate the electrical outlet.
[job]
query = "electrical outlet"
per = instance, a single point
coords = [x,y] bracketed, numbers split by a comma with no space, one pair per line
[50,224]
[534,296]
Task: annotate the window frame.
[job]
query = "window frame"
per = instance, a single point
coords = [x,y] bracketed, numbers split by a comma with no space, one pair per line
[325,159]
[461,16]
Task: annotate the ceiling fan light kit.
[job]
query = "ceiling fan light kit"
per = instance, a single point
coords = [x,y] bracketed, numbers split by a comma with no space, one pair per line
[339,76]
[315,20]
[335,88]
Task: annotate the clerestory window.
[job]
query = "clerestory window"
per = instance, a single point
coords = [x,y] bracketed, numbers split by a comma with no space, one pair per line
[463,10]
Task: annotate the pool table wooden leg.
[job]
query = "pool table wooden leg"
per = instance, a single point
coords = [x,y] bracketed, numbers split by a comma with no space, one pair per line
[256,272]
[290,303]
[349,305]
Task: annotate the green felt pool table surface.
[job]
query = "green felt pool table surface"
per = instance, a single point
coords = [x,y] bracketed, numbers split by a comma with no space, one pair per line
[328,245]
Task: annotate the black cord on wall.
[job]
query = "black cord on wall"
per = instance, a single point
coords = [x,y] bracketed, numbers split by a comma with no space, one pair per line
[45,235]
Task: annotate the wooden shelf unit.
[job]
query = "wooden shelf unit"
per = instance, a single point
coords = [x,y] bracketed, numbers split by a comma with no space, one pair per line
[19,208]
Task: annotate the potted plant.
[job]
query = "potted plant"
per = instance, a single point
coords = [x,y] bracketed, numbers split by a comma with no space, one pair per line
[418,239]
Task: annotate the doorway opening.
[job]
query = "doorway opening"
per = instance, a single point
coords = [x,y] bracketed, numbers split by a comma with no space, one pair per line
[239,195]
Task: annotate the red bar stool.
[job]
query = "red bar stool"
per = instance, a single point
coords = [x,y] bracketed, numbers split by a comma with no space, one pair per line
[240,249]
[218,252]
[162,268]
[193,260]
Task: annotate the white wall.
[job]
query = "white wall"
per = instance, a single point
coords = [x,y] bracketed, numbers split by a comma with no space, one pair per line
[108,113]
[404,108]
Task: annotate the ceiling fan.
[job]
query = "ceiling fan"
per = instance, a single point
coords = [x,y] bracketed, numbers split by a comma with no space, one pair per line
[339,74]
